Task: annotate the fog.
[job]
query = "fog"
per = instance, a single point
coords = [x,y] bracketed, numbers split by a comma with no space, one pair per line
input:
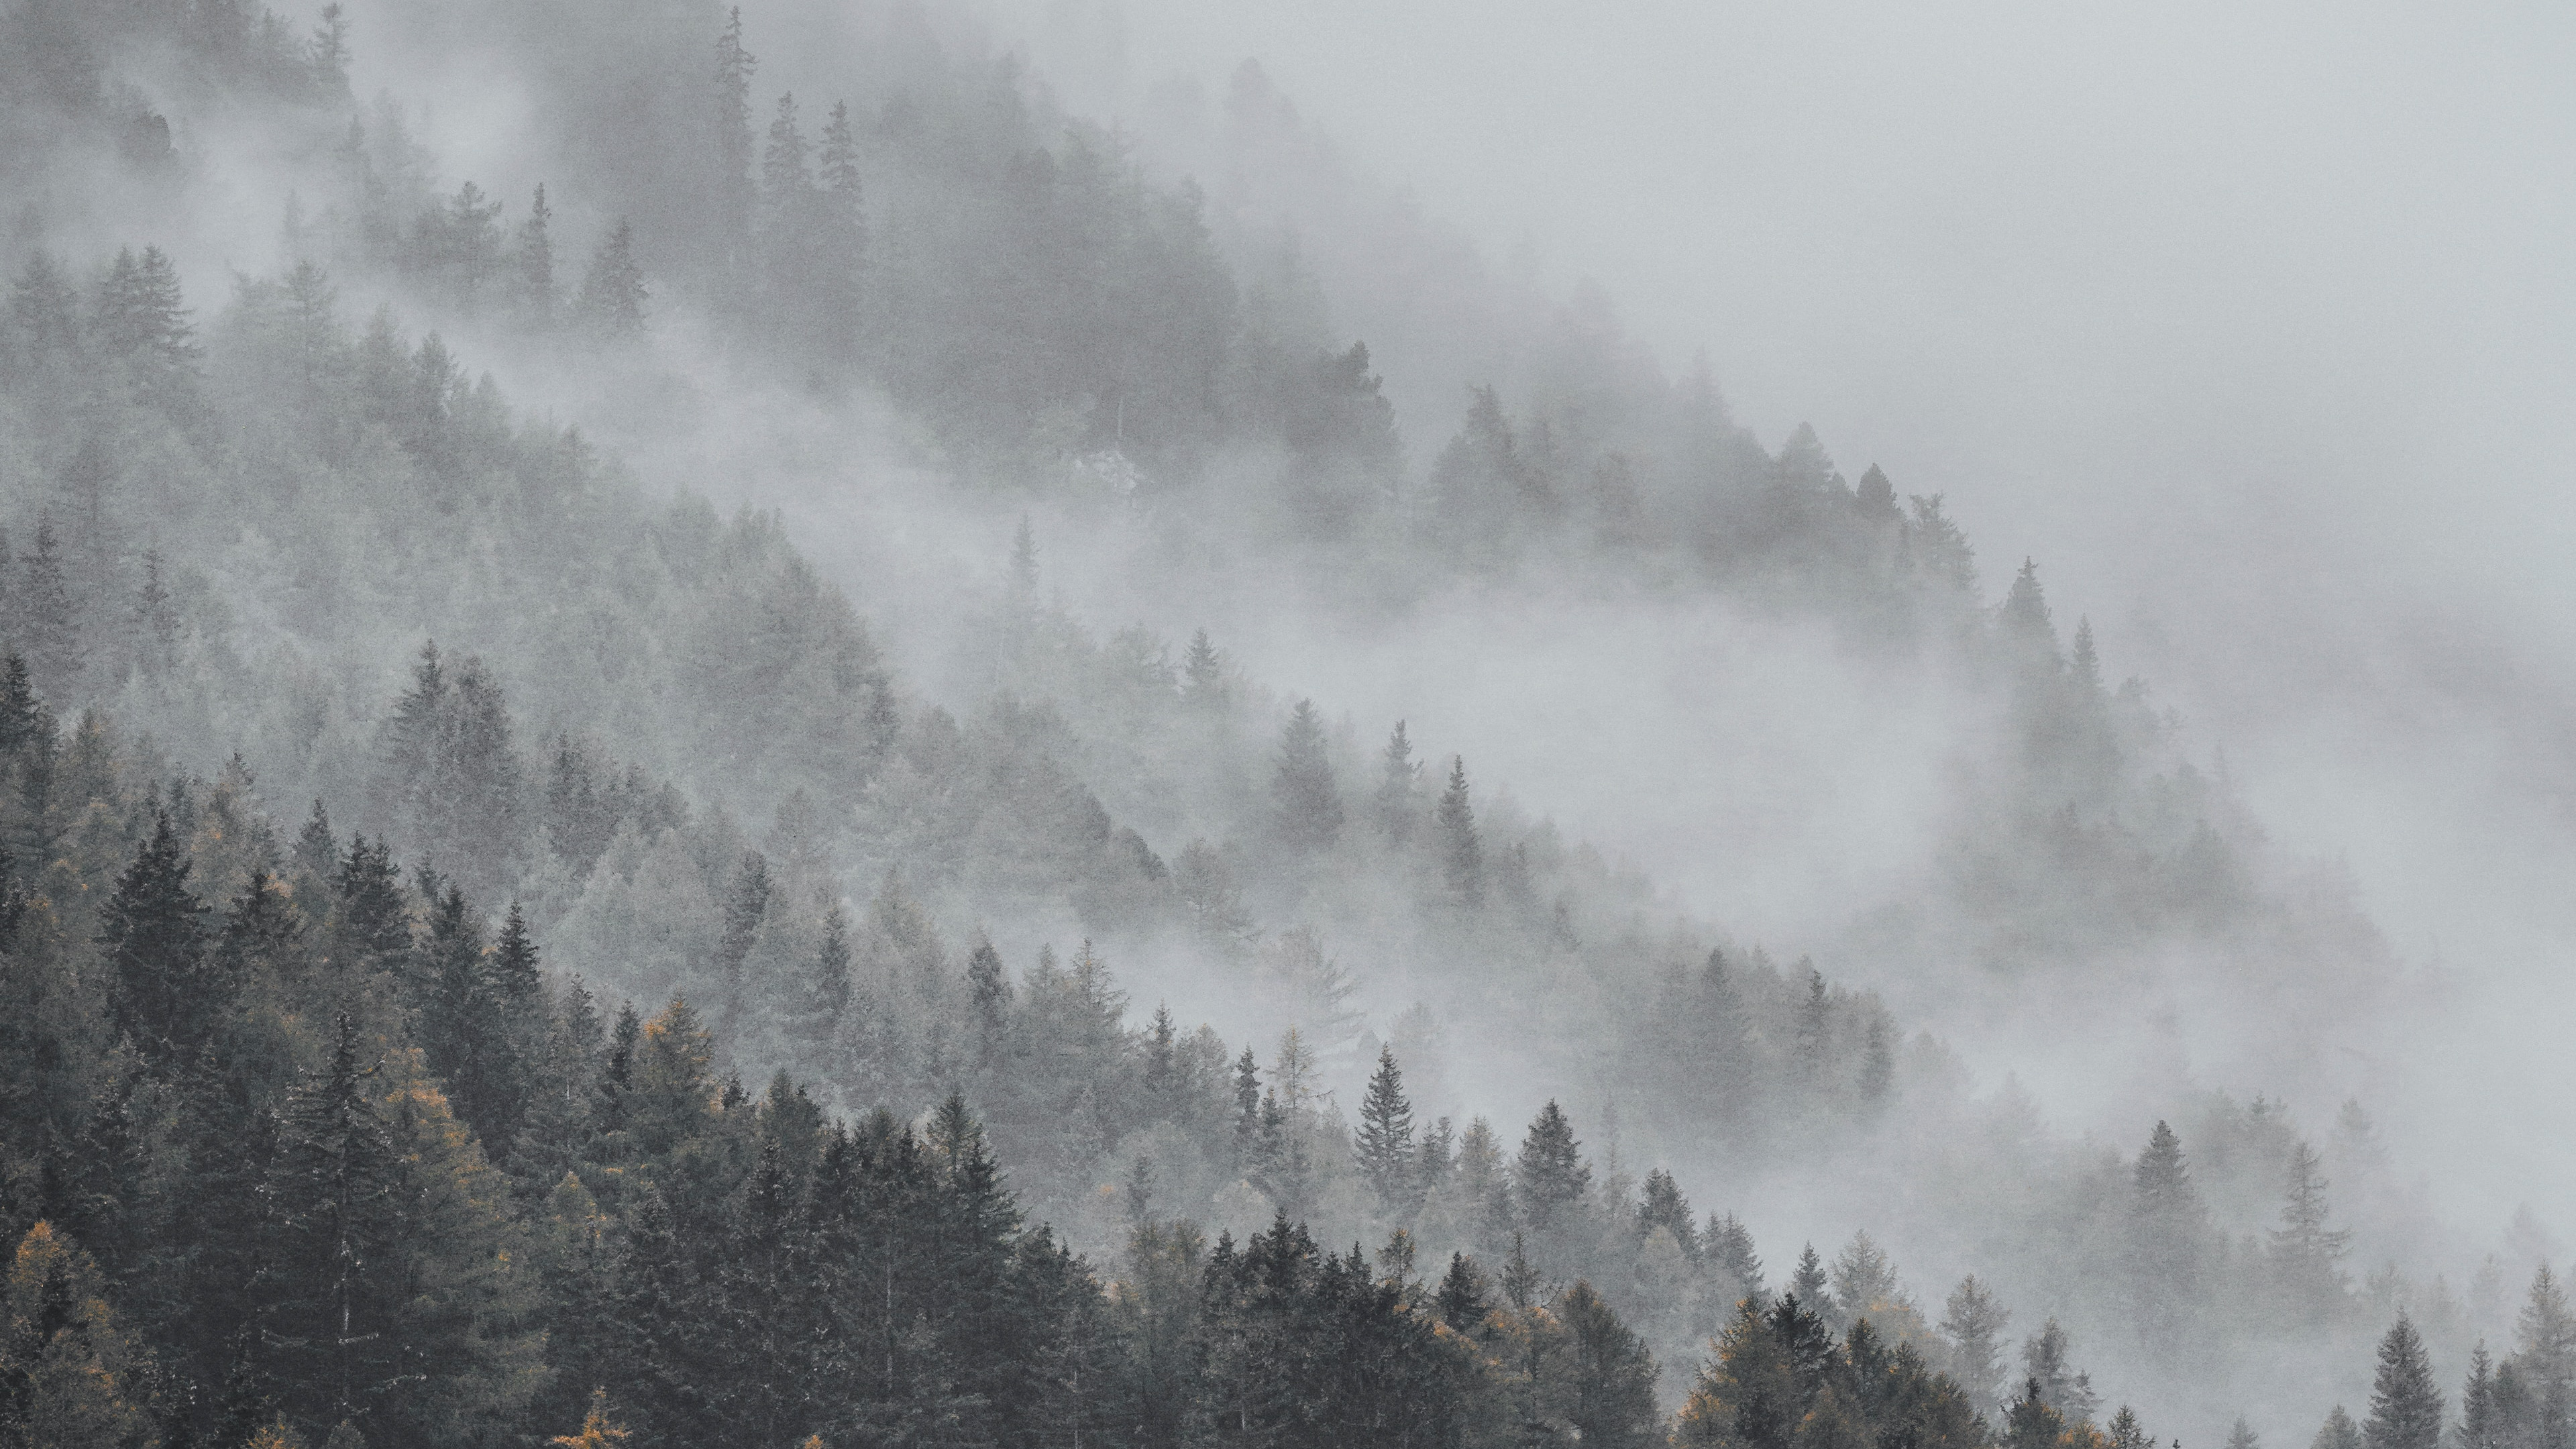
[2253,327]
[2253,331]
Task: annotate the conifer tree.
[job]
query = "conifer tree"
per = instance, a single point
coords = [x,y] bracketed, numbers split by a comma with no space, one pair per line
[1973,1321]
[1384,1146]
[21,715]
[2165,1228]
[536,262]
[613,294]
[1808,1284]
[45,623]
[329,1299]
[2241,1435]
[1462,855]
[1399,777]
[1550,1178]
[168,993]
[72,1374]
[1662,1205]
[2049,1358]
[1302,790]
[1203,673]
[1610,1384]
[731,129]
[2338,1432]
[2545,1356]
[1461,1298]
[2405,1403]
[1730,1246]
[2307,1255]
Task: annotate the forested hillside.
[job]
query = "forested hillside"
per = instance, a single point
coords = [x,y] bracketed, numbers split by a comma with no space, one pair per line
[494,953]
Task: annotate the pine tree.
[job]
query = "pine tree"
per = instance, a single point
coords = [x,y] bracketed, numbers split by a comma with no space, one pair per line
[536,259]
[2125,1432]
[329,1315]
[22,717]
[731,128]
[1610,1384]
[2405,1403]
[1309,806]
[1662,1206]
[1399,777]
[2545,1357]
[2481,1426]
[1864,1279]
[1462,855]
[1973,1321]
[1808,1284]
[2025,618]
[2338,1432]
[2306,1253]
[1203,673]
[2241,1435]
[1385,1148]
[746,910]
[2165,1227]
[1461,1299]
[1730,1246]
[1550,1177]
[45,623]
[73,1375]
[613,294]
[2048,1356]
[990,989]
[156,620]
[168,992]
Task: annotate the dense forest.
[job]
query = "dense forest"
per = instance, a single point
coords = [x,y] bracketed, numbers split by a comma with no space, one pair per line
[497,954]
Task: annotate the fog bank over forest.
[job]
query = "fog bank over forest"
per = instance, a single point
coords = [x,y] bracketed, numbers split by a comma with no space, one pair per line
[900,723]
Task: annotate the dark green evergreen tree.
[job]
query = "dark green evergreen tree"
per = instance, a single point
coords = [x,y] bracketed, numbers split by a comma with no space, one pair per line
[169,991]
[1550,1178]
[2405,1403]
[1384,1145]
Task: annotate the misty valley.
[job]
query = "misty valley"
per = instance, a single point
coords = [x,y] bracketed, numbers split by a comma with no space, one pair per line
[687,795]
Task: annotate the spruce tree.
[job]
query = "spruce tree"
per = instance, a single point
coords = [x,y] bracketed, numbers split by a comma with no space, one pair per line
[2405,1403]
[733,195]
[44,620]
[1609,1386]
[1399,777]
[1973,1320]
[2166,1225]
[1550,1177]
[536,262]
[1384,1146]
[1808,1284]
[1302,790]
[1461,1298]
[613,295]
[168,991]
[1462,855]
[1203,673]
[2049,1358]
[1730,1246]
[1662,1205]
[2306,1254]
[2338,1432]
[331,1293]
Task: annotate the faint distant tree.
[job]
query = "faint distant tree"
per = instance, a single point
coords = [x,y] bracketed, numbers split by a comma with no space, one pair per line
[326,54]
[1203,673]
[730,125]
[2307,1256]
[535,255]
[2024,618]
[43,619]
[1399,779]
[2166,1226]
[1864,1278]
[1462,854]
[2338,1432]
[2241,1435]
[2545,1358]
[1973,1320]
[2048,1357]
[612,289]
[1729,1245]
[2405,1403]
[1302,790]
